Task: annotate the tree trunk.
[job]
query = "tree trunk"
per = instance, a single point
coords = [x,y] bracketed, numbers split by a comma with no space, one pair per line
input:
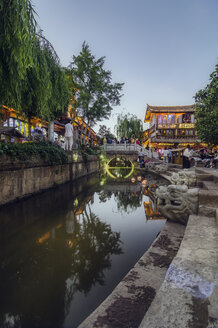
[51,131]
[29,128]
[85,142]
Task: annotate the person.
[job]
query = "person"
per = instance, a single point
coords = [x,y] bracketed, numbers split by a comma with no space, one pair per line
[169,155]
[186,158]
[141,162]
[141,155]
[159,154]
[215,160]
[68,136]
[57,142]
[208,159]
[165,155]
[137,142]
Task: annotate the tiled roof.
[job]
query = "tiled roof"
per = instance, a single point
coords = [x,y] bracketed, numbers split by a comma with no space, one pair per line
[165,109]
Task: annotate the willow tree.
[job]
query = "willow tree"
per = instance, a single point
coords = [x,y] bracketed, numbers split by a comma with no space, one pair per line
[17,32]
[206,114]
[45,91]
[129,125]
[60,92]
[36,87]
[94,93]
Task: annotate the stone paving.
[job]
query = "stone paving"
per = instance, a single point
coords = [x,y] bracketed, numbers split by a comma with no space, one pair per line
[127,304]
[167,289]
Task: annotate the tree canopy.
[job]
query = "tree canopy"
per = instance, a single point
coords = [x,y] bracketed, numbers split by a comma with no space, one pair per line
[17,32]
[207,111]
[94,92]
[105,132]
[45,90]
[129,125]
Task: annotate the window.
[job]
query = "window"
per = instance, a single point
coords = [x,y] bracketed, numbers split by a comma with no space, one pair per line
[170,119]
[179,119]
[159,119]
[186,118]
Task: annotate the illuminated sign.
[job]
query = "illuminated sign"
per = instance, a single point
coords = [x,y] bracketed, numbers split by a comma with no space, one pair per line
[166,126]
[186,126]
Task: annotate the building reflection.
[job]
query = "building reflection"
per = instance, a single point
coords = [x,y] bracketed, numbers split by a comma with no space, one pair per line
[150,205]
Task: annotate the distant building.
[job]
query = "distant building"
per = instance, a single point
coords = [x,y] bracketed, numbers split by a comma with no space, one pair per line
[170,126]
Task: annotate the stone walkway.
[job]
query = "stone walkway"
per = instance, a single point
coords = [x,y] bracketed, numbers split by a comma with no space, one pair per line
[188,297]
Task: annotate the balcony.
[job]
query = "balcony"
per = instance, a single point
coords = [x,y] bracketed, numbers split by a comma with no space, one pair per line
[176,126]
[174,139]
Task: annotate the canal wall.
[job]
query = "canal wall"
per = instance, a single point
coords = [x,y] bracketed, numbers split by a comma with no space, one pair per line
[19,179]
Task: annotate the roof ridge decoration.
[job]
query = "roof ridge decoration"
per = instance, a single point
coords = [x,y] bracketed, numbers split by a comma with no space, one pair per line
[180,106]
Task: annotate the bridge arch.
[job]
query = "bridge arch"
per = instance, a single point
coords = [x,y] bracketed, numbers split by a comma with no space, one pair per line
[119,167]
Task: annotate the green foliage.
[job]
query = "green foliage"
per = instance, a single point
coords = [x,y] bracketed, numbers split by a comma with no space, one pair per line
[17,32]
[49,152]
[105,132]
[32,79]
[93,91]
[129,125]
[36,88]
[59,91]
[85,151]
[207,111]
[46,92]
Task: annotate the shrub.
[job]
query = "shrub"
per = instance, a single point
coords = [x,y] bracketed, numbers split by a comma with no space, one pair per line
[46,151]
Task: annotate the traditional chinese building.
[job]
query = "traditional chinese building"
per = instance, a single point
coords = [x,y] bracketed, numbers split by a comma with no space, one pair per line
[13,123]
[170,126]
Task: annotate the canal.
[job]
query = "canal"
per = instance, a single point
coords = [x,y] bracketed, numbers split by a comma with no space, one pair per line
[63,251]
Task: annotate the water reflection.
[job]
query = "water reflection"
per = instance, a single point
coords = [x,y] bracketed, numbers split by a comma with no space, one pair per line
[62,252]
[91,243]
[119,168]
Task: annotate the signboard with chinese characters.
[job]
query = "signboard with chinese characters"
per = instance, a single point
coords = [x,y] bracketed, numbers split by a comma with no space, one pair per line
[166,126]
[186,126]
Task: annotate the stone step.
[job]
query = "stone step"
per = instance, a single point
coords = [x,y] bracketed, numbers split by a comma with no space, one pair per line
[204,177]
[210,185]
[207,211]
[208,198]
[188,296]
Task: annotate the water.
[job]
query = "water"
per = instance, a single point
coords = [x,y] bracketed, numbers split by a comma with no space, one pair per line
[62,252]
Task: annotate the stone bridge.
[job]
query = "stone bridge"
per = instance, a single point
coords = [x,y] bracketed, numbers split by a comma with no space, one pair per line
[127,150]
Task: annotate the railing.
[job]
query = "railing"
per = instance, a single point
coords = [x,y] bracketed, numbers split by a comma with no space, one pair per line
[122,147]
[175,139]
[128,147]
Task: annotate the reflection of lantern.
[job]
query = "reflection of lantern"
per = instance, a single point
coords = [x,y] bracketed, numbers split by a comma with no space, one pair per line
[139,178]
[144,182]
[133,180]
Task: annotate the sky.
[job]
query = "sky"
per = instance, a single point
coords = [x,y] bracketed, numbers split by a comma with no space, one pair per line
[163,50]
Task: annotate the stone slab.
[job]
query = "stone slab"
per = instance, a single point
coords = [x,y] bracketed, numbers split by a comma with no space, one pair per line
[188,296]
[128,303]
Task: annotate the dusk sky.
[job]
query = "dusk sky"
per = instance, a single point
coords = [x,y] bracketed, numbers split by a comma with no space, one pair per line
[163,50]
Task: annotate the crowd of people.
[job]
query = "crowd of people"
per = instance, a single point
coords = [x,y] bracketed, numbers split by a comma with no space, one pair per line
[190,157]
[123,140]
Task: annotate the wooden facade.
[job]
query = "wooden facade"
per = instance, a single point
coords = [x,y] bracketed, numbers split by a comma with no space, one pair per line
[10,118]
[170,126]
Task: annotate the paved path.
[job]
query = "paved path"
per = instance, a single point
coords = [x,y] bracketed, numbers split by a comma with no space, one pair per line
[188,296]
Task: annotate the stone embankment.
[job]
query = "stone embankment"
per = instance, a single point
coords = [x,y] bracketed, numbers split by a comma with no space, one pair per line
[170,289]
[23,179]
